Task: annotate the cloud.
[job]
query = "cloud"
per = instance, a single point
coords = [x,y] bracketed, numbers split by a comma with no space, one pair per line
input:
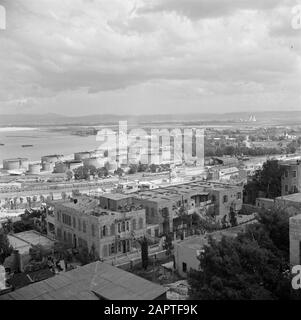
[110,53]
[197,9]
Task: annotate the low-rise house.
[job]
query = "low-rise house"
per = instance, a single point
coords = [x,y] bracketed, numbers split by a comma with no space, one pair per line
[22,243]
[187,252]
[164,206]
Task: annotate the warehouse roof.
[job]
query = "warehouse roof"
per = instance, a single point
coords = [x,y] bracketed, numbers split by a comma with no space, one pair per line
[97,280]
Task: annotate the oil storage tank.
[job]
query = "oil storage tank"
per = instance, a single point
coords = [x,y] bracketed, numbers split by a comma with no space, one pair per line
[34,168]
[79,156]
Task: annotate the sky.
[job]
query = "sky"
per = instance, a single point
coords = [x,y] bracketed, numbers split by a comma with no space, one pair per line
[80,57]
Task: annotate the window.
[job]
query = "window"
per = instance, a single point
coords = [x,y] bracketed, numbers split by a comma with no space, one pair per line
[239,195]
[286,188]
[79,225]
[153,212]
[93,230]
[112,231]
[127,226]
[140,223]
[65,237]
[67,219]
[225,199]
[119,228]
[123,226]
[147,211]
[58,216]
[184,267]
[134,224]
[112,248]
[104,231]
[59,233]
[74,223]
[84,226]
[286,173]
[294,174]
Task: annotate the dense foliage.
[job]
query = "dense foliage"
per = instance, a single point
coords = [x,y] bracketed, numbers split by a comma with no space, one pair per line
[267,181]
[254,265]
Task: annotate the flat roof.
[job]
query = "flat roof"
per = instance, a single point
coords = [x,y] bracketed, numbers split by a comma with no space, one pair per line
[115,196]
[23,241]
[198,242]
[171,193]
[296,197]
[90,206]
[95,281]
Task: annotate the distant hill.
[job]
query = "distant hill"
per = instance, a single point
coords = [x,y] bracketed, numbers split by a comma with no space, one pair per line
[279,117]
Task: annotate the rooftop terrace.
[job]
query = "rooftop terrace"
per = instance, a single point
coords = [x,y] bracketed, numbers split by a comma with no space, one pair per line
[295,197]
[172,193]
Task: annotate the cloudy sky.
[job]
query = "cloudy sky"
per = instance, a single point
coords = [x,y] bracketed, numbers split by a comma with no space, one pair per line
[149,56]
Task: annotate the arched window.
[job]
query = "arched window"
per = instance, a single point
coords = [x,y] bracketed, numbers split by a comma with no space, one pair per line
[112,231]
[104,231]
[140,223]
[127,226]
[153,212]
[104,251]
[134,225]
[123,226]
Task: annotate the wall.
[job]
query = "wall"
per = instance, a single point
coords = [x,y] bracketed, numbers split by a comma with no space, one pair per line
[295,240]
[187,255]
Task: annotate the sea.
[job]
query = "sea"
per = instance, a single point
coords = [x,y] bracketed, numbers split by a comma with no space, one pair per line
[42,141]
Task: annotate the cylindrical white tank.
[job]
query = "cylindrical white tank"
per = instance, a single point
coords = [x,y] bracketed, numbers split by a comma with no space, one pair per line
[11,164]
[34,168]
[15,164]
[47,166]
[79,156]
[51,158]
[74,164]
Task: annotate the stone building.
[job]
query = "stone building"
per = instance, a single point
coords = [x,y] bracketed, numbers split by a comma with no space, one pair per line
[291,178]
[87,222]
[164,206]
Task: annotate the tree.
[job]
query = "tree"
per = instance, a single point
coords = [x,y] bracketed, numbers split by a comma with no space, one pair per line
[232,218]
[144,252]
[69,175]
[267,180]
[119,172]
[253,265]
[102,172]
[84,172]
[5,247]
[168,246]
[133,169]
